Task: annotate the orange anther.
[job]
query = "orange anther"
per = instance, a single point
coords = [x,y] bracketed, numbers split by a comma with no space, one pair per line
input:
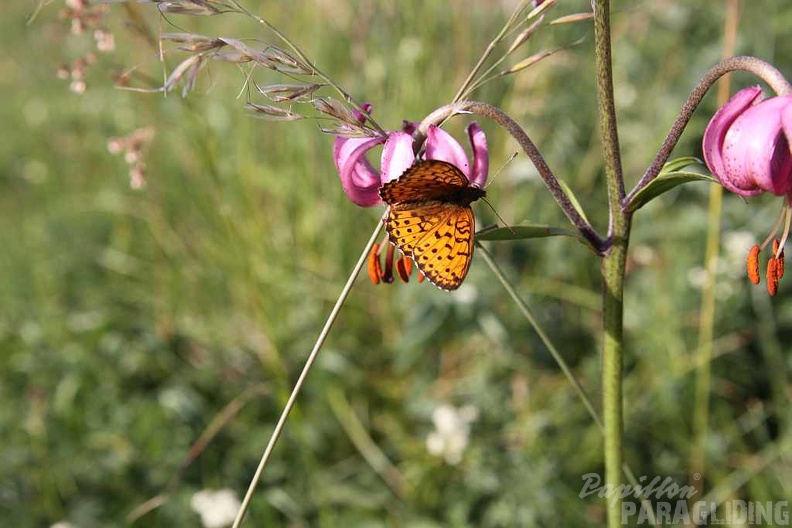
[408,264]
[780,259]
[401,269]
[374,266]
[387,274]
[772,276]
[753,264]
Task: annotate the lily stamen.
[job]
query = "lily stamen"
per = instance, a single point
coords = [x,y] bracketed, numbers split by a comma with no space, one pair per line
[772,276]
[753,264]
[403,265]
[374,265]
[387,274]
[403,268]
[778,251]
[784,215]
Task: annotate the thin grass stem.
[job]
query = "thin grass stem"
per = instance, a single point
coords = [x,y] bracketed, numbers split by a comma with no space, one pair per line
[562,364]
[465,89]
[509,287]
[707,318]
[304,374]
[348,98]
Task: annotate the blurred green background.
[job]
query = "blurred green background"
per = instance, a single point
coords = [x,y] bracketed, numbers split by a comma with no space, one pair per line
[134,321]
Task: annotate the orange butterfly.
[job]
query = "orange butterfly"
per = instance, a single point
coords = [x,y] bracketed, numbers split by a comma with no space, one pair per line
[430,220]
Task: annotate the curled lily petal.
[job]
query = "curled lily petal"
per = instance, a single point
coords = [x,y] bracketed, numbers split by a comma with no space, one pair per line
[360,116]
[358,178]
[757,146]
[409,126]
[786,123]
[748,147]
[397,156]
[715,137]
[480,155]
[440,145]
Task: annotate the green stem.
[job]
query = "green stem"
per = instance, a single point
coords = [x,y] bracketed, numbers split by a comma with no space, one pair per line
[509,287]
[613,266]
[304,375]
[515,130]
[765,71]
[707,318]
[706,329]
[540,332]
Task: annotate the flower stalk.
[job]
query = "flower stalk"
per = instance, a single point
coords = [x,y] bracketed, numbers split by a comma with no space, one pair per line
[559,194]
[758,67]
[304,375]
[707,317]
[613,265]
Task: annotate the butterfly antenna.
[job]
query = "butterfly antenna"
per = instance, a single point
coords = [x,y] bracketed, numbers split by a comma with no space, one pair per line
[497,173]
[499,216]
[500,169]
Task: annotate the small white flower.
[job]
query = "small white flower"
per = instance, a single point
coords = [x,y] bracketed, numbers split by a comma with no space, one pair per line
[62,524]
[217,508]
[452,432]
[736,245]
[466,294]
[105,41]
[697,277]
[643,255]
[410,50]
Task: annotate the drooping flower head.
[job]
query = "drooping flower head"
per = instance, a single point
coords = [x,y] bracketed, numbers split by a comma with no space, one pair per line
[361,181]
[748,148]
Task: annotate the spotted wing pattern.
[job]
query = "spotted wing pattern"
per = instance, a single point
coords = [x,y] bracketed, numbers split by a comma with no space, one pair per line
[445,253]
[426,226]
[407,224]
[426,180]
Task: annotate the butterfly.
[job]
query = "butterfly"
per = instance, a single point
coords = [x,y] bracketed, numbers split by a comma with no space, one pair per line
[430,220]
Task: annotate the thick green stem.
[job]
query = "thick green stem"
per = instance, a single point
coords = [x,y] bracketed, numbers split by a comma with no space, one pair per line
[613,266]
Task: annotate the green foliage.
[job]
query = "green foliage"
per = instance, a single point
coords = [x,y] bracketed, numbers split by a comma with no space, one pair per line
[673,174]
[129,320]
[526,231]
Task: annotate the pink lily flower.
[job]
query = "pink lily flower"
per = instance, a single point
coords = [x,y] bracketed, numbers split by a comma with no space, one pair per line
[748,148]
[361,181]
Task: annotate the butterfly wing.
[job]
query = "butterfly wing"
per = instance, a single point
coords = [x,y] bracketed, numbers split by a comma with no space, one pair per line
[426,180]
[438,237]
[444,253]
[430,220]
[408,223]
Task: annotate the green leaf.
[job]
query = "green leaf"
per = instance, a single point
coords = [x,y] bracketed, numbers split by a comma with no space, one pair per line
[573,199]
[680,163]
[526,230]
[670,176]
